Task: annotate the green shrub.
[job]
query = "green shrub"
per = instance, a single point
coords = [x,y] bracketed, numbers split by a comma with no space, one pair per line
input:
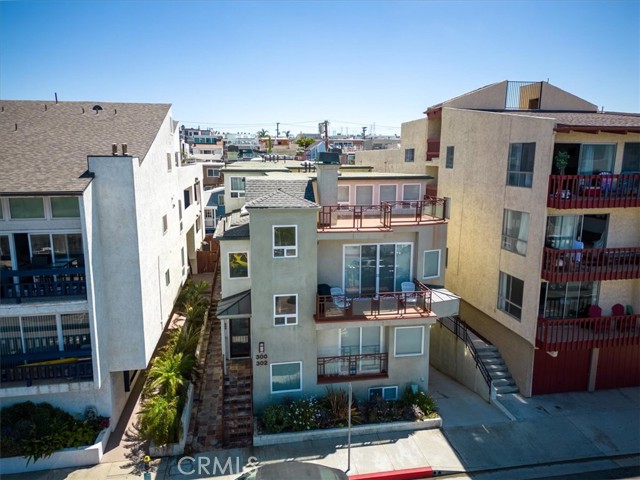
[421,400]
[304,414]
[36,431]
[159,420]
[276,418]
[336,403]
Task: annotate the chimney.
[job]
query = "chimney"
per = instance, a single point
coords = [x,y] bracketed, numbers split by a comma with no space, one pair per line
[327,177]
[114,149]
[124,149]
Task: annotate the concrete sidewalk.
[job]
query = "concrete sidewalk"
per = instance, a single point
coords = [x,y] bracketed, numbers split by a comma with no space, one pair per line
[475,436]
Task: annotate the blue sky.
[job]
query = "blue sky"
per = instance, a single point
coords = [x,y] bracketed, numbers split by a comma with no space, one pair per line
[244,65]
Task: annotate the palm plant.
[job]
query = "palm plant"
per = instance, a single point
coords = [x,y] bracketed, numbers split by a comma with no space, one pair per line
[263,133]
[169,375]
[159,421]
[183,340]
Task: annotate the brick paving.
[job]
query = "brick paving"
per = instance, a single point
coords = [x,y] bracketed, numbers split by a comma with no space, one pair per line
[205,426]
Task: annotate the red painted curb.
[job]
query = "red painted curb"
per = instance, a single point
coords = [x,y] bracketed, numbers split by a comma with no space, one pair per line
[408,474]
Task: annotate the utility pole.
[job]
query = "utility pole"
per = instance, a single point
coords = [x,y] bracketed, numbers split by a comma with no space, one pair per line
[277,129]
[326,135]
[364,132]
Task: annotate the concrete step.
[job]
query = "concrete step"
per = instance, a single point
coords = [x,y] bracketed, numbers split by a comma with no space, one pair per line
[507,389]
[500,375]
[489,361]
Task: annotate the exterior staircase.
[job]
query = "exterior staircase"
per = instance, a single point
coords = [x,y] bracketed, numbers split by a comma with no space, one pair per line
[237,404]
[498,371]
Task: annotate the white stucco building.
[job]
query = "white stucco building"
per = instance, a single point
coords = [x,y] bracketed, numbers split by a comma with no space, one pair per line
[99,226]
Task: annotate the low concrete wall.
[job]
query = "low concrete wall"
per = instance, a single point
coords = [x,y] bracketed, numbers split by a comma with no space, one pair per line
[69,457]
[291,437]
[450,355]
[175,449]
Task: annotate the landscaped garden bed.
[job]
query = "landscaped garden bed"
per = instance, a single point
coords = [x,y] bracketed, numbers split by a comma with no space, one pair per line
[42,437]
[327,416]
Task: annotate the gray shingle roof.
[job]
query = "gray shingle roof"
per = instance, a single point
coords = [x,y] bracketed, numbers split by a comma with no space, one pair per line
[280,199]
[45,150]
[233,226]
[257,187]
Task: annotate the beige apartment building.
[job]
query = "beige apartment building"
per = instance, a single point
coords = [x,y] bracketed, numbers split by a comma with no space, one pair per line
[545,255]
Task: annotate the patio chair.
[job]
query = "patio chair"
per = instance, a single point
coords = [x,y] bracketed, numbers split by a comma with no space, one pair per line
[409,297]
[602,325]
[339,299]
[617,310]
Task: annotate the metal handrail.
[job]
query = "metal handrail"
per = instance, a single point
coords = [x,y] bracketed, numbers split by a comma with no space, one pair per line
[461,330]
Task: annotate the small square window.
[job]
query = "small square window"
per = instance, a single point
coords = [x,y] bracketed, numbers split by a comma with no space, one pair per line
[515,231]
[285,310]
[431,264]
[238,265]
[510,295]
[168,162]
[521,160]
[286,377]
[285,241]
[65,207]
[26,207]
[165,224]
[409,154]
[237,187]
[409,341]
[167,278]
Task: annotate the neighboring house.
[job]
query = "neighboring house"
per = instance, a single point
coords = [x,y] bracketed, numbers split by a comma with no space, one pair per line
[546,260]
[207,153]
[327,280]
[234,180]
[96,238]
[212,175]
[213,208]
[200,136]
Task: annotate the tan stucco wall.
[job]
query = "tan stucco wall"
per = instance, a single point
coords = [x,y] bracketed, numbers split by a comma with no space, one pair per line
[479,194]
[413,135]
[516,352]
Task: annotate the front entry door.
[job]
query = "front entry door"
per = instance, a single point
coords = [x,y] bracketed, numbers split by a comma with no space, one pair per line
[239,338]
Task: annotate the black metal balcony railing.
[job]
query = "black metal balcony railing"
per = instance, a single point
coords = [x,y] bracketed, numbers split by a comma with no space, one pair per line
[594,191]
[17,286]
[344,368]
[372,305]
[584,265]
[69,366]
[382,216]
[587,333]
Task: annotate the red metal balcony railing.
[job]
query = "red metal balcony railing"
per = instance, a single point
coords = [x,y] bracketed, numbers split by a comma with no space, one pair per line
[591,264]
[383,216]
[344,368]
[594,191]
[374,305]
[587,333]
[433,148]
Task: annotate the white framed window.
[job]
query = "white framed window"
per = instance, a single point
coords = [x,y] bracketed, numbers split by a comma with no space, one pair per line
[237,187]
[388,193]
[411,192]
[344,192]
[286,377]
[165,224]
[169,163]
[177,158]
[510,295]
[213,172]
[26,207]
[386,393]
[431,264]
[285,310]
[65,207]
[364,194]
[238,264]
[285,241]
[515,231]
[409,341]
[167,278]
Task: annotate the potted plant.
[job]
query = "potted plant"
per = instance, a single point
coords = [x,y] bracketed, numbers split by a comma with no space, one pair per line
[562,160]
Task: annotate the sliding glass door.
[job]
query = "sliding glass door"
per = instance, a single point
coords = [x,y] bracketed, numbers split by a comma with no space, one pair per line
[376,268]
